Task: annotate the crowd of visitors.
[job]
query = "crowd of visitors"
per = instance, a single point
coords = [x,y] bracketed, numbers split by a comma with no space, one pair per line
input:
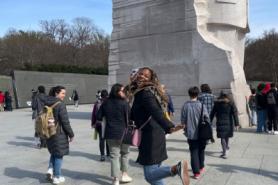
[264,108]
[146,104]
[5,101]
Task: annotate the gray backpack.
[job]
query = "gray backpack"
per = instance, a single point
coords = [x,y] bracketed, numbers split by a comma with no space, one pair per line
[270,97]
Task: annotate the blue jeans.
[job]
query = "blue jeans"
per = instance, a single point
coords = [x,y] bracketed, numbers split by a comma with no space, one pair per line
[253,117]
[155,173]
[56,163]
[261,120]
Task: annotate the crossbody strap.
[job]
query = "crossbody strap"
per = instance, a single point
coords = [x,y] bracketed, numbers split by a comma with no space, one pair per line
[201,115]
[148,120]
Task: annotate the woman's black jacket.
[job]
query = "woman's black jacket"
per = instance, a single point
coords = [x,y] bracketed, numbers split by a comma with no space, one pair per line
[153,145]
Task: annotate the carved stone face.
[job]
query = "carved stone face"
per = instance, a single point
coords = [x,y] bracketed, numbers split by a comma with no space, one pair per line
[230,12]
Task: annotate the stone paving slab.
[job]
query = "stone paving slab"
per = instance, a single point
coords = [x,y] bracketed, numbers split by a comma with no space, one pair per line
[253,158]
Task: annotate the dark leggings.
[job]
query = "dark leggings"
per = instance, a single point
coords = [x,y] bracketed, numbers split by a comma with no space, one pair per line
[225,145]
[102,142]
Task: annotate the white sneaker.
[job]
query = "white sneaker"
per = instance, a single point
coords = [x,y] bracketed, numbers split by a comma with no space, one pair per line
[116,182]
[49,174]
[125,178]
[58,180]
[275,132]
[269,132]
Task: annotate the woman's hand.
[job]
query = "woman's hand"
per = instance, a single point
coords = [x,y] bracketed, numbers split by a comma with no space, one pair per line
[176,128]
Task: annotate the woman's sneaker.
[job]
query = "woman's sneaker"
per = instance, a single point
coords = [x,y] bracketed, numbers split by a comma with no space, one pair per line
[102,158]
[125,178]
[182,171]
[116,182]
[49,174]
[202,170]
[58,180]
[197,176]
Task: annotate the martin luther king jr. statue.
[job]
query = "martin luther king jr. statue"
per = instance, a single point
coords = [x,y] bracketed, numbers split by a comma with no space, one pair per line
[187,42]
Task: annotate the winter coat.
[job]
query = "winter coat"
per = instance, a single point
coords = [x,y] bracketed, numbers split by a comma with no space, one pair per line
[58,144]
[115,112]
[39,102]
[226,118]
[153,145]
[261,101]
[8,103]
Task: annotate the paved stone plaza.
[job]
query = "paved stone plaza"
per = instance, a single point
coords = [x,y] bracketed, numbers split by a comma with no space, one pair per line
[253,159]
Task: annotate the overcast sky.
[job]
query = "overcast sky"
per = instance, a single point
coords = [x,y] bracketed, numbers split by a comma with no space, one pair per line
[26,14]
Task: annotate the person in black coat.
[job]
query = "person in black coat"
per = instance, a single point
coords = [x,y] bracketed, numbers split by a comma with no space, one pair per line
[226,119]
[8,101]
[38,102]
[58,145]
[115,111]
[147,110]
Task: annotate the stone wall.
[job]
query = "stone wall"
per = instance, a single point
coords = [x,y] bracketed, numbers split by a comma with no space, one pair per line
[86,85]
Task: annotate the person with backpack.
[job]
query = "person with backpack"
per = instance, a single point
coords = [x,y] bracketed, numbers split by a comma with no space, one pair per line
[226,119]
[261,105]
[207,99]
[191,113]
[38,103]
[115,110]
[253,107]
[58,144]
[272,109]
[98,126]
[148,111]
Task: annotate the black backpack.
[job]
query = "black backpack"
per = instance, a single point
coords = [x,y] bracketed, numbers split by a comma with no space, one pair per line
[270,98]
[252,102]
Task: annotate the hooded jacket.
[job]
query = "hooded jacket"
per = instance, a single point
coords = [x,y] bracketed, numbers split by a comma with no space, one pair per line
[58,144]
[226,117]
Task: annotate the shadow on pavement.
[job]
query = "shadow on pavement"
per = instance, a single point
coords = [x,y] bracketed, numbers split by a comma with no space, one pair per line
[207,153]
[238,169]
[94,178]
[18,173]
[25,138]
[85,155]
[177,140]
[21,143]
[80,115]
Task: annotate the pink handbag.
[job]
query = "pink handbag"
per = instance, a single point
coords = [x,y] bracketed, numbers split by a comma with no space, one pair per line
[132,136]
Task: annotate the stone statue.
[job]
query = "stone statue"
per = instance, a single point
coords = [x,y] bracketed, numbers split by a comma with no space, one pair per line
[187,42]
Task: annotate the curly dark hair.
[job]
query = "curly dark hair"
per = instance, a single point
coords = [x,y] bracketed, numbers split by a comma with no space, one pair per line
[205,88]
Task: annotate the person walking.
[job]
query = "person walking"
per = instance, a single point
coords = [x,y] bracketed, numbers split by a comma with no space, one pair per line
[37,106]
[8,101]
[98,126]
[207,99]
[75,98]
[261,105]
[226,119]
[272,109]
[58,144]
[2,101]
[147,111]
[190,116]
[253,107]
[114,110]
